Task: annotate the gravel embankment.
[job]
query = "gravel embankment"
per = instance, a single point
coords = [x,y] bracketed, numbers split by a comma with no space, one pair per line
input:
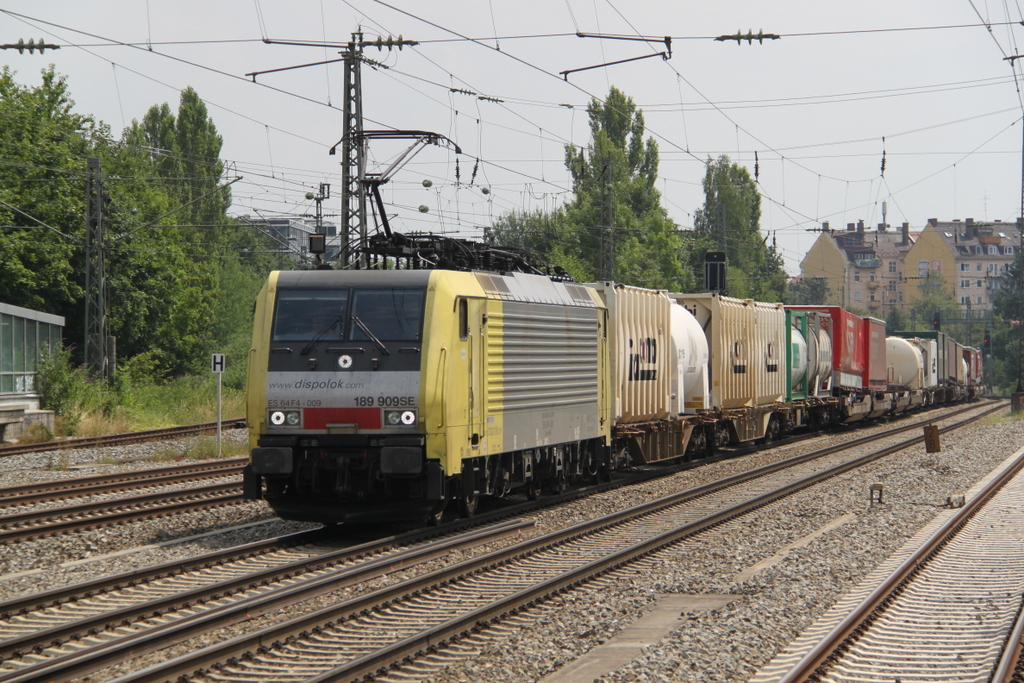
[47,562]
[772,607]
[728,644]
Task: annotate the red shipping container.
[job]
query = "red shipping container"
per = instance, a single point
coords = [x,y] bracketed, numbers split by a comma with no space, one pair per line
[850,349]
[973,358]
[877,369]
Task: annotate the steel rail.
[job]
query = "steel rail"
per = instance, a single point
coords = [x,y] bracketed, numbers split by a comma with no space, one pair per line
[116,439]
[86,661]
[62,489]
[661,469]
[57,521]
[63,594]
[60,595]
[1008,668]
[856,621]
[375,663]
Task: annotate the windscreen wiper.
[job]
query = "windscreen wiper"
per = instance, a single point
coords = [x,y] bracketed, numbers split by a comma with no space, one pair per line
[366,331]
[320,335]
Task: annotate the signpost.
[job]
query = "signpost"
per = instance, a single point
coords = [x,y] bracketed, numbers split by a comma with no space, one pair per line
[217,367]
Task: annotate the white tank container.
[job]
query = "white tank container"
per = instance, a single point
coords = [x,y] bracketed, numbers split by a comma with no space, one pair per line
[929,349]
[690,350]
[905,361]
[819,355]
[799,355]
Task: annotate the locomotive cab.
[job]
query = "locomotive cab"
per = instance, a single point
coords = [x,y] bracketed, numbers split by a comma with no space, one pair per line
[334,396]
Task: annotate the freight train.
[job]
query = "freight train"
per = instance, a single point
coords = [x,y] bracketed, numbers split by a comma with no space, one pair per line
[381,394]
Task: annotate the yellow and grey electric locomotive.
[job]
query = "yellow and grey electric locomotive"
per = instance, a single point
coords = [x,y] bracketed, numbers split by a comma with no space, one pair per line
[376,393]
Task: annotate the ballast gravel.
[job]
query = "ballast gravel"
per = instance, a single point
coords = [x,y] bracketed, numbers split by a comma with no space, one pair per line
[765,611]
[45,563]
[770,608]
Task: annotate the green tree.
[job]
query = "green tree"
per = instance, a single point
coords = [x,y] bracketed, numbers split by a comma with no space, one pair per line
[897,320]
[180,283]
[225,263]
[808,291]
[44,145]
[730,221]
[615,219]
[935,297]
[1006,365]
[185,150]
[616,200]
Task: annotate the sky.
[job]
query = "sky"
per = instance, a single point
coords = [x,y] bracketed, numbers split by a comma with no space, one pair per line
[925,86]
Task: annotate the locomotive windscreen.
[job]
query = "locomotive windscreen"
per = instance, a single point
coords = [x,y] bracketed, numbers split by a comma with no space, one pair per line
[389,314]
[303,314]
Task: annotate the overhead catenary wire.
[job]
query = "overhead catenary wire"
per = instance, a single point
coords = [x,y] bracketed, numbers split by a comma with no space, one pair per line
[486,163]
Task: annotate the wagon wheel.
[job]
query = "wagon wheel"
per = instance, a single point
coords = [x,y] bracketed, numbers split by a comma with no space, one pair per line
[436,516]
[773,430]
[469,498]
[698,445]
[722,437]
[532,488]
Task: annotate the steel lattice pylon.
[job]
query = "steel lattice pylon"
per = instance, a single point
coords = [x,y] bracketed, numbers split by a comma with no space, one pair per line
[353,197]
[96,358]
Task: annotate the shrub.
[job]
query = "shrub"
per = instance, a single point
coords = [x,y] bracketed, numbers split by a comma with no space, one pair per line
[60,386]
[37,432]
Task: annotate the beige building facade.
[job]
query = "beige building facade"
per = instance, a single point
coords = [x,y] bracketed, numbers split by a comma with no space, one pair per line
[863,268]
[972,258]
[876,270]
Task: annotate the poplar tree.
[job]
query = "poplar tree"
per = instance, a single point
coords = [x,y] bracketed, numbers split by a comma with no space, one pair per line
[730,221]
[616,207]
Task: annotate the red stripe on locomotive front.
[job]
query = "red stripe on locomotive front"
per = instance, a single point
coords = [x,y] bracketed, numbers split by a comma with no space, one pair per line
[365,418]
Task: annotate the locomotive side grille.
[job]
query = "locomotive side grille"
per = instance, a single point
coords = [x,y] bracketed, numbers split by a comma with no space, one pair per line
[548,357]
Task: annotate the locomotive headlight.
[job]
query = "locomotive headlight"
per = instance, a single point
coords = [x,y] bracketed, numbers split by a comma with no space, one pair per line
[400,417]
[285,418]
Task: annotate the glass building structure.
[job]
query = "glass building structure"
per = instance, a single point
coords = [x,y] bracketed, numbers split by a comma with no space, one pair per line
[25,335]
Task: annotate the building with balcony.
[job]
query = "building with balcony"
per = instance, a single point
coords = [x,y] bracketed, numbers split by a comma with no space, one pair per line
[863,268]
[966,258]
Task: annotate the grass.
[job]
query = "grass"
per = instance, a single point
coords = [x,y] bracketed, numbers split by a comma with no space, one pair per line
[186,400]
[36,432]
[97,410]
[203,448]
[60,461]
[1005,417]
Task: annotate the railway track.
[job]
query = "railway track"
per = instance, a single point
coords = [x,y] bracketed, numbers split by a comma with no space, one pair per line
[23,526]
[38,523]
[102,484]
[211,591]
[120,439]
[424,611]
[951,609]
